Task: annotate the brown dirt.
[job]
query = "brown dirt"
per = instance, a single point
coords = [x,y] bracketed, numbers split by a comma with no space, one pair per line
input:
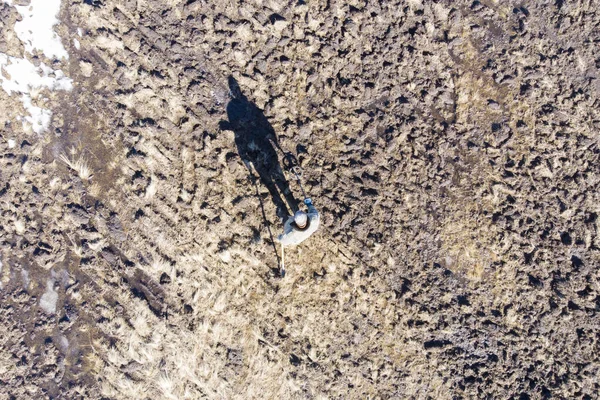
[451,146]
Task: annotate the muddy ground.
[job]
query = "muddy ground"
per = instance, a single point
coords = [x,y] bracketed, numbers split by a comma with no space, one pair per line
[451,146]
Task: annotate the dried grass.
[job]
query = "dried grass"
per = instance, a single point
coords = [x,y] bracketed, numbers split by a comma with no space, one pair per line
[79,165]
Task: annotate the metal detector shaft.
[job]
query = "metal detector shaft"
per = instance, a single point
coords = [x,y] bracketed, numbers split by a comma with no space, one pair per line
[299,182]
[292,165]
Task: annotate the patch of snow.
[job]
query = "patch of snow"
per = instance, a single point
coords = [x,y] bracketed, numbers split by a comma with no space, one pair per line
[27,79]
[76,44]
[225,256]
[49,298]
[25,76]
[11,143]
[39,118]
[25,277]
[151,189]
[36,32]
[19,227]
[63,342]
[36,28]
[80,32]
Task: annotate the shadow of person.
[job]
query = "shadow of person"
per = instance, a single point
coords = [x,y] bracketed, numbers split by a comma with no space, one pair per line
[256,142]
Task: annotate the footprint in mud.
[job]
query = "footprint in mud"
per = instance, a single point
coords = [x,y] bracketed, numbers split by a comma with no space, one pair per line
[256,142]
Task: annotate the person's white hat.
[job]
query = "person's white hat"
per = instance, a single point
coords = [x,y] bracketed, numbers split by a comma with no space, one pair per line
[300,218]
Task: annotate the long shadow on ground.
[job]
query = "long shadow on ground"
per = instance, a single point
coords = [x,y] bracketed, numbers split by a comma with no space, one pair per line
[256,142]
[257,146]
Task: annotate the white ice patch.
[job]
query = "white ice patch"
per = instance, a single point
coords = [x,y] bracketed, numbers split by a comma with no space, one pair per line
[19,75]
[63,342]
[39,118]
[76,44]
[49,298]
[36,28]
[11,143]
[26,77]
[25,277]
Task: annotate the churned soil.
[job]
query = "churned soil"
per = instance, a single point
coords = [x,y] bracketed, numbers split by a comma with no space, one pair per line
[452,148]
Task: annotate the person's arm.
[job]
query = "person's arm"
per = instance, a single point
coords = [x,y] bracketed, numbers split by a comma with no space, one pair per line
[311,207]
